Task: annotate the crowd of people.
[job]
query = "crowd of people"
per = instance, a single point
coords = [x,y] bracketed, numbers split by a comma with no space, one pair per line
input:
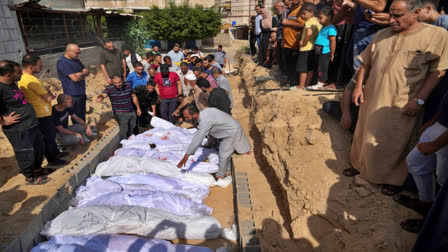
[390,56]
[137,88]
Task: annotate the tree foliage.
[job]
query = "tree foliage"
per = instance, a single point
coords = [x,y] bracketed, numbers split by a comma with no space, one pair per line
[181,22]
[136,35]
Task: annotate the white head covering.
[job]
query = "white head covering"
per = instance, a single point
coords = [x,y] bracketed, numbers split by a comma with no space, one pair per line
[191,77]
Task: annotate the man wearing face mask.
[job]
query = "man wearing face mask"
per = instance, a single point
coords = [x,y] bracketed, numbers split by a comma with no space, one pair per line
[168,87]
[219,125]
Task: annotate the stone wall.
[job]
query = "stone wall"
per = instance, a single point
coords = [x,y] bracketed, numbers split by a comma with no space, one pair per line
[11,43]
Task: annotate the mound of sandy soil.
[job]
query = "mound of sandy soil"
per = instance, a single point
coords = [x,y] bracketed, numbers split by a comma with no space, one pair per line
[302,152]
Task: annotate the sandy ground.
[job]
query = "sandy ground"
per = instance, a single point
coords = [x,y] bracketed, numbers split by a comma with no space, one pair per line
[301,200]
[19,203]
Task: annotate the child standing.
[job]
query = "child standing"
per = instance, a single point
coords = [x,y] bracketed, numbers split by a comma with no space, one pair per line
[325,46]
[305,63]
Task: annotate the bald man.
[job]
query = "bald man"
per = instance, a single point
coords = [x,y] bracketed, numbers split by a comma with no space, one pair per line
[72,74]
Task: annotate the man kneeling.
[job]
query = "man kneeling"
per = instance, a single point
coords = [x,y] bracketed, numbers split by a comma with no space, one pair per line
[222,126]
[74,134]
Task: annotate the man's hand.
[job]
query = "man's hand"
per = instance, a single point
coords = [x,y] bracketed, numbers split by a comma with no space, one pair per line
[301,43]
[85,72]
[348,4]
[88,130]
[124,77]
[427,148]
[99,99]
[332,58]
[358,96]
[139,112]
[11,119]
[109,81]
[425,126]
[175,113]
[183,161]
[411,108]
[346,121]
[80,138]
[159,99]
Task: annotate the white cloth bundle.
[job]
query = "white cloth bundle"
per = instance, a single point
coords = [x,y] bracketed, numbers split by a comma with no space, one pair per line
[111,243]
[124,165]
[135,220]
[158,200]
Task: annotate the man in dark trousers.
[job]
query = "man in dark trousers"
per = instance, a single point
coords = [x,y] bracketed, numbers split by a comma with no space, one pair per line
[20,125]
[72,74]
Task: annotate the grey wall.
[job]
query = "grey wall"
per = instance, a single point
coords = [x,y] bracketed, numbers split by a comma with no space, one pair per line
[11,44]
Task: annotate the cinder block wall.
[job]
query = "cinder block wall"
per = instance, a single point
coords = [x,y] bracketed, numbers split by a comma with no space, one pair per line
[11,44]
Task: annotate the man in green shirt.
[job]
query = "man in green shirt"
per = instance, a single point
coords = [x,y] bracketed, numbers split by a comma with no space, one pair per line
[112,61]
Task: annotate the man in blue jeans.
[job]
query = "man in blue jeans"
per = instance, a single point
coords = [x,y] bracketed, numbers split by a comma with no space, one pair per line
[169,88]
[72,74]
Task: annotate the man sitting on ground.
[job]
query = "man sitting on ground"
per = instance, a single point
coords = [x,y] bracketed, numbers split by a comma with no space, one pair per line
[138,77]
[121,97]
[74,134]
[218,97]
[218,125]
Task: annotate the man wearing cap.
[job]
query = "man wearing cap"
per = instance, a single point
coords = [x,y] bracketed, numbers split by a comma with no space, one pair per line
[168,87]
[195,95]
[175,54]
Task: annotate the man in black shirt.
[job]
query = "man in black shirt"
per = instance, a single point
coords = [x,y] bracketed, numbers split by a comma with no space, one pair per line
[147,98]
[20,125]
[218,97]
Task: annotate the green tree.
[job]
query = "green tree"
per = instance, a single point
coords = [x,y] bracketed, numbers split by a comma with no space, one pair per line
[182,22]
[136,35]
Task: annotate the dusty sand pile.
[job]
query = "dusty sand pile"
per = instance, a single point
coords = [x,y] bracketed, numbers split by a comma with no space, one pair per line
[302,152]
[19,202]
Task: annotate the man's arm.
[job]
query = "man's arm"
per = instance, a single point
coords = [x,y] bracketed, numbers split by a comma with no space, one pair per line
[137,104]
[179,87]
[332,47]
[358,93]
[103,68]
[65,131]
[100,98]
[225,61]
[48,97]
[123,62]
[80,121]
[374,5]
[308,34]
[203,130]
[293,24]
[431,147]
[431,81]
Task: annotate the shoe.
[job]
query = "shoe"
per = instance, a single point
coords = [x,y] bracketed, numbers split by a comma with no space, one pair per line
[62,154]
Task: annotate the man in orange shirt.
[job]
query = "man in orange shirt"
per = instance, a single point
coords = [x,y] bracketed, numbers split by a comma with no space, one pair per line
[292,25]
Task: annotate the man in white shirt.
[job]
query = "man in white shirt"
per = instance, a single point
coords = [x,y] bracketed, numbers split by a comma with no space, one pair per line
[176,55]
[130,58]
[258,19]
[182,72]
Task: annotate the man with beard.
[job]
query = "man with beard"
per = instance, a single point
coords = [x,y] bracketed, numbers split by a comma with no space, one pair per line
[168,87]
[112,61]
[219,125]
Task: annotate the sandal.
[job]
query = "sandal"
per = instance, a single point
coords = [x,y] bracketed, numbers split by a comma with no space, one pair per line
[412,225]
[390,190]
[408,202]
[350,172]
[43,171]
[41,180]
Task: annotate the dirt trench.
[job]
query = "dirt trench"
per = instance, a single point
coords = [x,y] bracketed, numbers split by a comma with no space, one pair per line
[302,152]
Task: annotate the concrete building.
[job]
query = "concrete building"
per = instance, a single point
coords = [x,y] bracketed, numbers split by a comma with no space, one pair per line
[239,11]
[142,4]
[11,43]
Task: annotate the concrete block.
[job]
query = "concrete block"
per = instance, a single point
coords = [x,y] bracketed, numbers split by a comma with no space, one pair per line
[62,193]
[27,236]
[247,223]
[83,174]
[241,174]
[247,205]
[248,231]
[4,2]
[14,34]
[242,183]
[2,48]
[6,11]
[244,201]
[14,246]
[243,196]
[48,210]
[10,46]
[243,189]
[4,34]
[1,12]
[10,23]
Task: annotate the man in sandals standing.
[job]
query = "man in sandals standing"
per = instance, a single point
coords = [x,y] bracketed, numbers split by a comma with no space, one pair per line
[20,125]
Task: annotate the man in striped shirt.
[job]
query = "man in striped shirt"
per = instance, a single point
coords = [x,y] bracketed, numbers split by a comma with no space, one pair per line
[121,97]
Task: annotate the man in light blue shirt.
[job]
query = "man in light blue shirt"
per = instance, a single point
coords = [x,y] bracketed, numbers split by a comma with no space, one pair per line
[176,55]
[138,77]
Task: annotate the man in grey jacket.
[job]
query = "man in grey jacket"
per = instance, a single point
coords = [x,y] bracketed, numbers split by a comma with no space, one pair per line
[222,126]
